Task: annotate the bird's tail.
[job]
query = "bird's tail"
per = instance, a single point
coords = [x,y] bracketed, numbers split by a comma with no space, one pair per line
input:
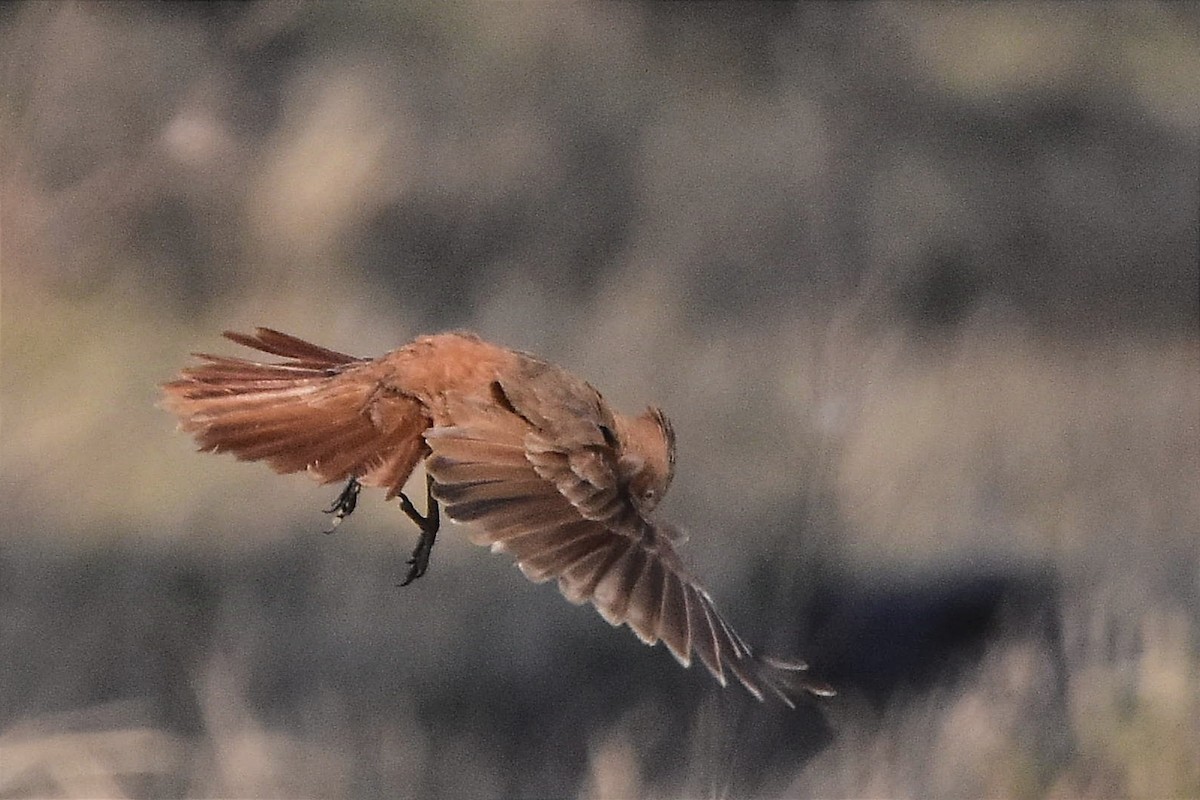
[305,413]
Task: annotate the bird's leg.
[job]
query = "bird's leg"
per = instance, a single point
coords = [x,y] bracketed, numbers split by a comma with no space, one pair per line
[419,562]
[344,505]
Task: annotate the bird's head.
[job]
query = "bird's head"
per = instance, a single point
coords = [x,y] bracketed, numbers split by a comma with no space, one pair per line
[647,460]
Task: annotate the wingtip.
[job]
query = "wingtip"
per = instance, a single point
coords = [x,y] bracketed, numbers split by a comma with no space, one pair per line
[787,665]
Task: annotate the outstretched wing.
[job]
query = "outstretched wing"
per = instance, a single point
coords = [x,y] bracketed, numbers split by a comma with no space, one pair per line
[318,411]
[561,514]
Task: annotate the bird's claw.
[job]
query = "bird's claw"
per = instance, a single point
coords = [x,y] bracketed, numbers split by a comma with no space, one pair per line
[429,524]
[344,505]
[419,561]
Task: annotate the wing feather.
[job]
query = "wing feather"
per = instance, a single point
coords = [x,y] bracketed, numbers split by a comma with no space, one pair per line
[614,591]
[586,477]
[538,542]
[557,514]
[705,640]
[578,581]
[674,629]
[645,601]
[555,562]
[454,472]
[491,489]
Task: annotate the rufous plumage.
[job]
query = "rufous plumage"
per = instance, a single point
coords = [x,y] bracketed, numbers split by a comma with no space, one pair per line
[529,456]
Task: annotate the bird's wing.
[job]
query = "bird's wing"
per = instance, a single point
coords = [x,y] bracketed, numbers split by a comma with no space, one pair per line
[490,471]
[570,441]
[318,411]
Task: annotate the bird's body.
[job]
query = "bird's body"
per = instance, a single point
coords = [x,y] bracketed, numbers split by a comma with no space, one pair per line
[529,455]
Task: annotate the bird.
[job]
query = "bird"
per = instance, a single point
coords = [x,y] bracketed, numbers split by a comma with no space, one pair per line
[527,455]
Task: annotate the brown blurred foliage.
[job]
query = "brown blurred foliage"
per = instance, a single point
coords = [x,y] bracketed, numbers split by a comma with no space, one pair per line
[918,285]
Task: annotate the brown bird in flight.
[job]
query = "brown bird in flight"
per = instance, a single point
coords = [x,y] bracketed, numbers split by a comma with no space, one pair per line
[530,456]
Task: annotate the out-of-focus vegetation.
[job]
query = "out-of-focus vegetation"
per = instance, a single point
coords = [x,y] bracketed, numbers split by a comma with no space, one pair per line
[917,284]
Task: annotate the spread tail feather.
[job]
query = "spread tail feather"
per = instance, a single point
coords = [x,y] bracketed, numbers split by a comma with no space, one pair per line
[318,411]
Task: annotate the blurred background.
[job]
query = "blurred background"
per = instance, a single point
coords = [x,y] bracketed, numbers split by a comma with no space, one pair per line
[917,285]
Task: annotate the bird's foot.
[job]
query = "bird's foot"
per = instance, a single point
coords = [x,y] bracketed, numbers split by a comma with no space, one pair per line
[429,524]
[344,505]
[419,561]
